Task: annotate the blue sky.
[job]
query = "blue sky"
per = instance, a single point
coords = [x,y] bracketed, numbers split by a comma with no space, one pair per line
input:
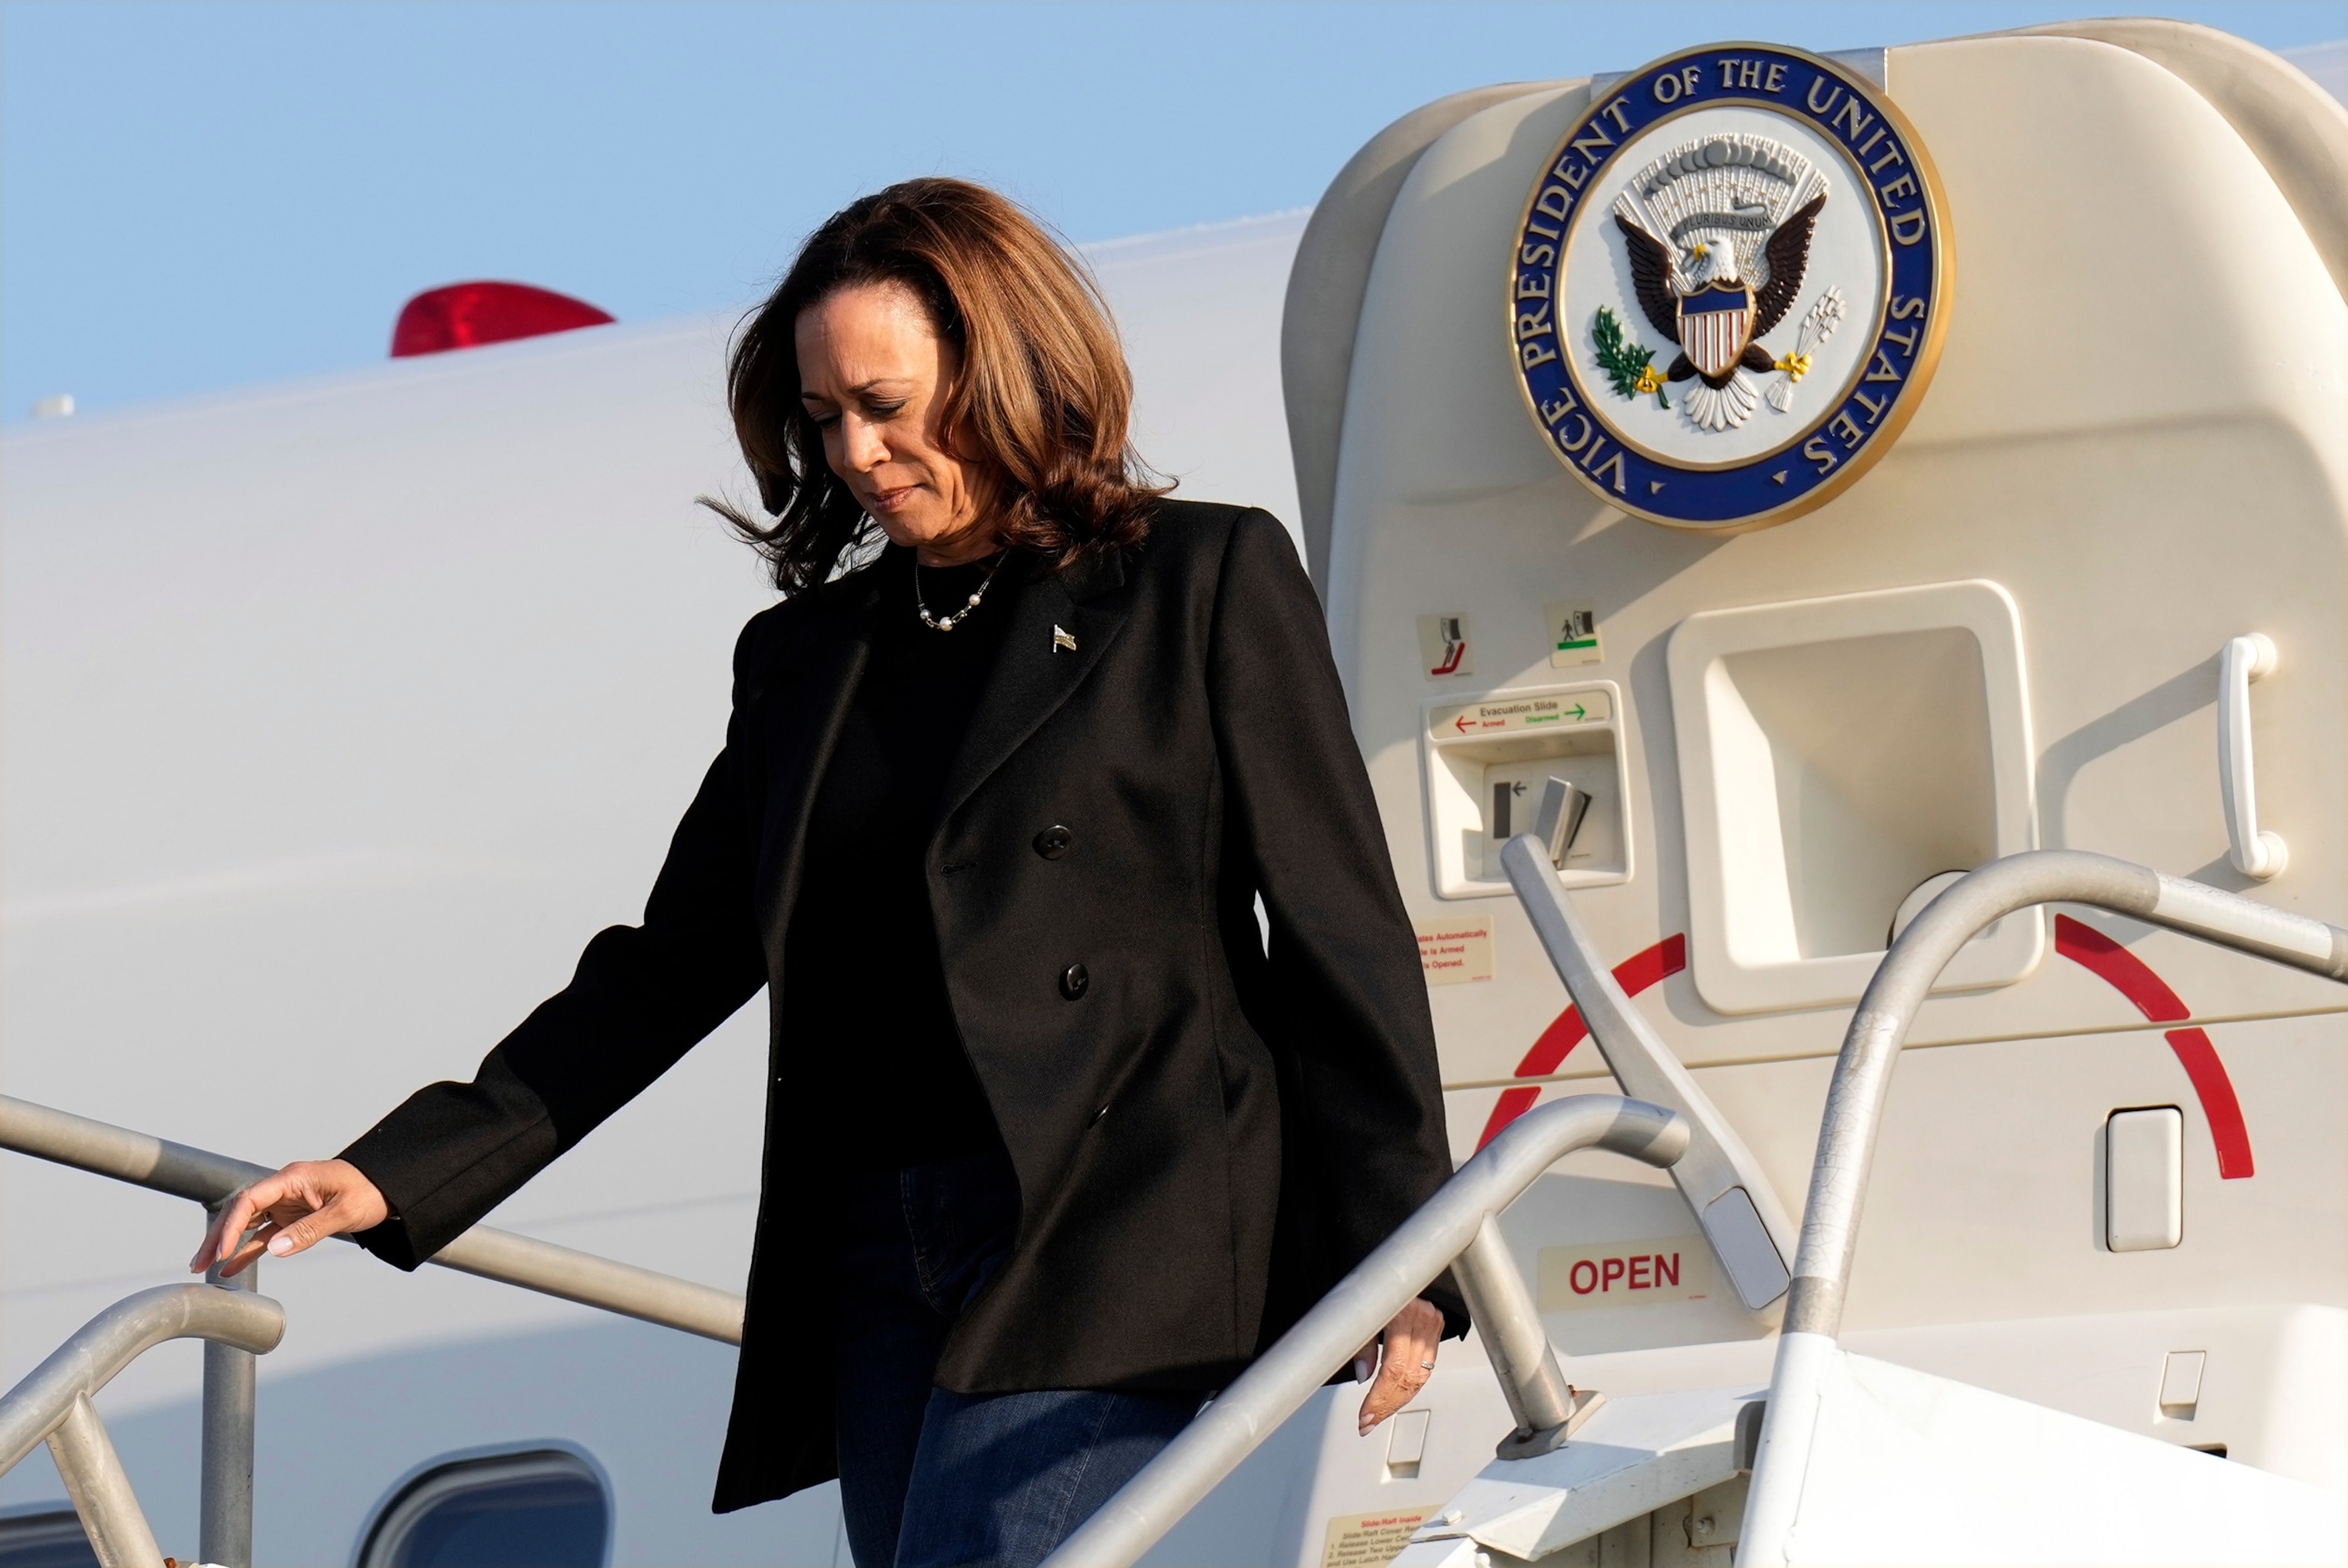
[198,196]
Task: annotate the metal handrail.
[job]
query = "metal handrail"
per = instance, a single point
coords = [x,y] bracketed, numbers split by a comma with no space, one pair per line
[52,1403]
[1443,1234]
[209,1179]
[1723,1185]
[1863,1080]
[197,1175]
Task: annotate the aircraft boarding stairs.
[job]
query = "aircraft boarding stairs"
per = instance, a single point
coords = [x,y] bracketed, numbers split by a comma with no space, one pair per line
[1832,1457]
[1871,1462]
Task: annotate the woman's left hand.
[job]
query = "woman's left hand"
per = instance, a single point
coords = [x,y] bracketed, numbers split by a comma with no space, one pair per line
[1406,1363]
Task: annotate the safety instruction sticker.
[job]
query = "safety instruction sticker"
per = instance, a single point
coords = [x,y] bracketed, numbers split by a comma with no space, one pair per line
[1454,952]
[1444,648]
[1371,1540]
[1498,715]
[1573,633]
[1625,1273]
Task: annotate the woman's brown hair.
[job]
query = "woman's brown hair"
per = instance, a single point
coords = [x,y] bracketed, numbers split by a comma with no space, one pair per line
[1042,400]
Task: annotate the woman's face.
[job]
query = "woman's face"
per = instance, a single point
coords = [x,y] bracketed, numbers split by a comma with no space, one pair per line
[874,375]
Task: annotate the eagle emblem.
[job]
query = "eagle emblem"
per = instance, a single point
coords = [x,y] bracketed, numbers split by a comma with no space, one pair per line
[1726,227]
[1719,236]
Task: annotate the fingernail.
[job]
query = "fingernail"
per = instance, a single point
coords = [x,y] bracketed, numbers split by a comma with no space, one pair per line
[280,1244]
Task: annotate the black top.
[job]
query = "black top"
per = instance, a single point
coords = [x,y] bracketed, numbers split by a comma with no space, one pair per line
[867,1003]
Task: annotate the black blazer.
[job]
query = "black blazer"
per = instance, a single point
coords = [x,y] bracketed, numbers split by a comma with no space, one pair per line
[1206,1139]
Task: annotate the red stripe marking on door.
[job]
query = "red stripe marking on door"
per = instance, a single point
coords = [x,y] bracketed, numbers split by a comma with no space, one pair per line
[2132,978]
[1634,974]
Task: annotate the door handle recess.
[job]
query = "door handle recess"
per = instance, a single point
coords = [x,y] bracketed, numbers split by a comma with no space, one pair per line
[2254,854]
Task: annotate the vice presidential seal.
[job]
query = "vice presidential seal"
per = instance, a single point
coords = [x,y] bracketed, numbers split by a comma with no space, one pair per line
[1728,291]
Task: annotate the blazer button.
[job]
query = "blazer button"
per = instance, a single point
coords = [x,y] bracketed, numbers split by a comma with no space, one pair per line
[1074,981]
[1053,842]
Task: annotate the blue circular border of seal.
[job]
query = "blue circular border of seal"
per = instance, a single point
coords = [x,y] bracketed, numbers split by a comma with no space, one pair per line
[1832,450]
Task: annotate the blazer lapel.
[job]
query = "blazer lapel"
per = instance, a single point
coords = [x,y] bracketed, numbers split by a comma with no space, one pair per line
[807,692]
[1061,625]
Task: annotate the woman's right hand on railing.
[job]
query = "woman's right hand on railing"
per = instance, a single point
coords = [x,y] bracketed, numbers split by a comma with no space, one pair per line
[302,1204]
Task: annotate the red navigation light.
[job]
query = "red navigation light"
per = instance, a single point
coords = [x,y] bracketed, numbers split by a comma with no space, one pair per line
[466,316]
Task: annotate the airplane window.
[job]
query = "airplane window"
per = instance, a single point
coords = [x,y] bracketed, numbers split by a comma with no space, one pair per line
[44,1535]
[540,1509]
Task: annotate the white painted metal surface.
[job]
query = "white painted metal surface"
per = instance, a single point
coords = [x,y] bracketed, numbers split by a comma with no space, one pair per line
[1907,1468]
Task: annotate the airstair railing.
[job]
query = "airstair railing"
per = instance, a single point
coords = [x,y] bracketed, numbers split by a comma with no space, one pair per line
[1723,1185]
[51,1404]
[225,1526]
[1863,1080]
[161,1166]
[1453,1230]
[225,1446]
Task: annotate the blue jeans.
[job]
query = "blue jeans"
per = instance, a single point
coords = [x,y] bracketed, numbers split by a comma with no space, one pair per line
[930,1479]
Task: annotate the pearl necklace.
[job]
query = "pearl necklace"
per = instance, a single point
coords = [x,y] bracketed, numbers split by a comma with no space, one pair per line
[948,622]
